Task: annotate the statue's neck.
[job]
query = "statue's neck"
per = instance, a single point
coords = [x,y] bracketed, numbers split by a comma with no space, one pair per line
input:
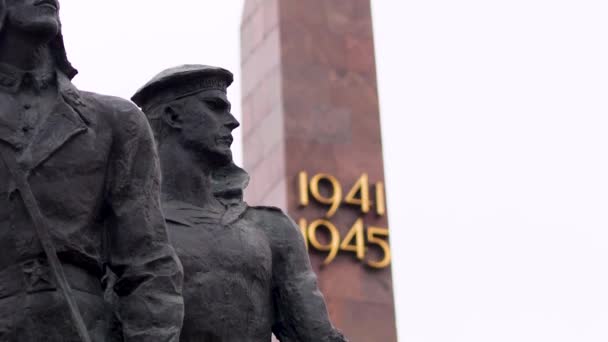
[183,178]
[23,51]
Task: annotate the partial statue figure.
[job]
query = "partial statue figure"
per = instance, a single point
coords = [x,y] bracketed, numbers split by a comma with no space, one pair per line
[79,197]
[247,272]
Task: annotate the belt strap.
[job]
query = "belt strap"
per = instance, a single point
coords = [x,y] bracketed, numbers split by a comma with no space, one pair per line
[43,232]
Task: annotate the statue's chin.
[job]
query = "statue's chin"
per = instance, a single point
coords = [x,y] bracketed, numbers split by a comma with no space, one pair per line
[43,27]
[222,159]
[217,158]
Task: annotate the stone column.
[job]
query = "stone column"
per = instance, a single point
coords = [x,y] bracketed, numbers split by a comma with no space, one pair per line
[310,104]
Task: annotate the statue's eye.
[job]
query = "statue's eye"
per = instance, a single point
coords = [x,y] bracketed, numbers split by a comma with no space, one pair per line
[214,104]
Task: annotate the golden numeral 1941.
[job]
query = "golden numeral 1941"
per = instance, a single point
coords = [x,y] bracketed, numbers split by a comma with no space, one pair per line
[358,195]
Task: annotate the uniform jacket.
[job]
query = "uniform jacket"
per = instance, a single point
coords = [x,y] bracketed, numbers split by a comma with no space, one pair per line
[94,170]
[247,272]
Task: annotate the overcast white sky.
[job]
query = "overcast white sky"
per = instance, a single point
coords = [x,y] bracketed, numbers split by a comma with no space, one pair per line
[495,124]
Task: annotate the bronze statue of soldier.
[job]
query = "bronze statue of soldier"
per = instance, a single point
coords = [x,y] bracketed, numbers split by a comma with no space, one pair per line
[79,192]
[246,270]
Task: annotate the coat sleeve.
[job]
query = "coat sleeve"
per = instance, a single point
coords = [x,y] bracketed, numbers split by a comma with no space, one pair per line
[301,314]
[150,306]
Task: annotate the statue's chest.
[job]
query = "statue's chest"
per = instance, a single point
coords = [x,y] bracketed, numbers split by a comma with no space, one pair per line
[240,249]
[227,279]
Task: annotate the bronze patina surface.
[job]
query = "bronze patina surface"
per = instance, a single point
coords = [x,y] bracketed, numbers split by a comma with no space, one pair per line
[79,200]
[247,273]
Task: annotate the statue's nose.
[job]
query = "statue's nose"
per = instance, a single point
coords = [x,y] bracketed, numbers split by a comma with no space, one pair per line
[232,122]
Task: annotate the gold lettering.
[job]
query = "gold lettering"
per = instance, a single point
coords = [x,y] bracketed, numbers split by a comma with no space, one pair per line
[335,196]
[361,188]
[334,243]
[374,237]
[380,201]
[303,182]
[356,234]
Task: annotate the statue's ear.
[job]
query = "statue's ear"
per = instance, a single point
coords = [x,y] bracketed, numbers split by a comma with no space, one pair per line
[172,117]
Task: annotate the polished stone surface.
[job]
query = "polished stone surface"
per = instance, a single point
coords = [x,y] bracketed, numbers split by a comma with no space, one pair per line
[310,103]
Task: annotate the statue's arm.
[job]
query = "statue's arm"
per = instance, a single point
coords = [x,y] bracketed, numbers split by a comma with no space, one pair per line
[150,304]
[301,313]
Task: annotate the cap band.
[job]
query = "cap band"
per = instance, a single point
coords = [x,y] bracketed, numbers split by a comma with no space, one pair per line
[172,93]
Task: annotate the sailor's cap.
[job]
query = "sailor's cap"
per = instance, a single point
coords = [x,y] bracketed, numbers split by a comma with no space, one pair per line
[182,81]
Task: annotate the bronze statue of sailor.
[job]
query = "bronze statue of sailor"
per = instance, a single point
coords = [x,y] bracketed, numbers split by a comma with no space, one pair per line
[246,270]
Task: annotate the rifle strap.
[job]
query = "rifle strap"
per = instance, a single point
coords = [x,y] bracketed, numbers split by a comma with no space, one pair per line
[19,176]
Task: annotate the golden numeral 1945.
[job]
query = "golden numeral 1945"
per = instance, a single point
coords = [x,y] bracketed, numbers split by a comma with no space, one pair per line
[354,241]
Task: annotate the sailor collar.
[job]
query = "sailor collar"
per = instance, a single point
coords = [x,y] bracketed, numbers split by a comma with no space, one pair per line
[228,184]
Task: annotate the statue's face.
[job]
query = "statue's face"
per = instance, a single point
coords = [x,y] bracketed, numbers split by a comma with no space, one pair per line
[40,17]
[207,125]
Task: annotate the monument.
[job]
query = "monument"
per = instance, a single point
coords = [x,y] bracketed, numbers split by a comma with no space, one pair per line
[79,199]
[312,145]
[247,272]
[86,254]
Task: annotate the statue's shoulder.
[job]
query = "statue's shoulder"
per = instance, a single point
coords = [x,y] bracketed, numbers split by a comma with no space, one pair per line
[273,219]
[119,113]
[108,105]
[265,213]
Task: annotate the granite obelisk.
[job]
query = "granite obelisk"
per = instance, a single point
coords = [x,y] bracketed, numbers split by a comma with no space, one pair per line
[312,144]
